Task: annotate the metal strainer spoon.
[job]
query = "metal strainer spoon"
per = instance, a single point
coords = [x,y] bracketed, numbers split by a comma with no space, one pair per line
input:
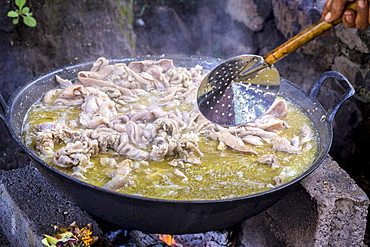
[238,90]
[243,88]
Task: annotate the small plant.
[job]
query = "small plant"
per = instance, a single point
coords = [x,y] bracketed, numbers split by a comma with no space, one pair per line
[23,12]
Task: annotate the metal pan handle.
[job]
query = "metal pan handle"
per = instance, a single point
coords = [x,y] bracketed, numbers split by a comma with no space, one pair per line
[346,85]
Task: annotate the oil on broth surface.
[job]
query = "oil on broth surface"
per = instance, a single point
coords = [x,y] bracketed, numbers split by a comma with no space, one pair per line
[221,175]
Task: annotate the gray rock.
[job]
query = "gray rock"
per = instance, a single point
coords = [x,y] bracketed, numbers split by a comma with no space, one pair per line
[326,209]
[30,206]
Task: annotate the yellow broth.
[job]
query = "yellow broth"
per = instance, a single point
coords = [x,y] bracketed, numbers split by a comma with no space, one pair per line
[221,175]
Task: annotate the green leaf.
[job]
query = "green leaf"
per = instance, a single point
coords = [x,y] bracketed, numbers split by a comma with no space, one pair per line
[45,242]
[20,3]
[25,10]
[29,21]
[49,240]
[12,14]
[16,21]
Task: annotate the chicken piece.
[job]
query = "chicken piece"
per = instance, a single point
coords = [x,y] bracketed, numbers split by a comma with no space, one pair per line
[163,145]
[189,141]
[278,109]
[140,66]
[71,95]
[253,140]
[306,134]
[187,150]
[51,133]
[73,91]
[170,94]
[191,94]
[111,92]
[83,164]
[143,81]
[269,159]
[98,109]
[99,64]
[73,154]
[60,102]
[63,82]
[170,126]
[254,131]
[278,180]
[142,116]
[179,77]
[221,146]
[134,132]
[156,69]
[270,123]
[179,173]
[204,126]
[106,137]
[284,145]
[157,111]
[86,79]
[123,147]
[233,142]
[120,176]
[190,117]
[99,73]
[45,142]
[108,162]
[149,132]
[51,95]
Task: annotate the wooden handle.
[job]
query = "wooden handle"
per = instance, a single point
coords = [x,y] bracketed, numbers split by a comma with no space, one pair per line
[304,37]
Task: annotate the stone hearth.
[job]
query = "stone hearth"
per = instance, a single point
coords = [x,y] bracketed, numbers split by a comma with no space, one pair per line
[326,209]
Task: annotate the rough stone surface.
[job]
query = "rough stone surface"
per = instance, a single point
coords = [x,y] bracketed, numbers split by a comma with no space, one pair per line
[204,29]
[3,239]
[30,206]
[342,206]
[66,32]
[290,222]
[245,12]
[326,209]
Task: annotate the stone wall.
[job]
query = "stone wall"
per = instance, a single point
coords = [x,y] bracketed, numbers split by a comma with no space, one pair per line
[67,32]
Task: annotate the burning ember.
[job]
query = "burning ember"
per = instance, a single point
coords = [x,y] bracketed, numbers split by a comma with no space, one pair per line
[167,239]
[221,238]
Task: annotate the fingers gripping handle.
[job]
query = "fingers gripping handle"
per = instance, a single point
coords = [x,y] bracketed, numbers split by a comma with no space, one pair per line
[304,37]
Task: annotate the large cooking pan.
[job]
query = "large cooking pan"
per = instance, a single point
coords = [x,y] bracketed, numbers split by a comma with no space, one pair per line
[170,216]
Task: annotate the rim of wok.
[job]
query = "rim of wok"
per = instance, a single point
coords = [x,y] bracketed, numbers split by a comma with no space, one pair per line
[320,156]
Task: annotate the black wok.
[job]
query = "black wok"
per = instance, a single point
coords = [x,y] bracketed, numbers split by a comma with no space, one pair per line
[170,216]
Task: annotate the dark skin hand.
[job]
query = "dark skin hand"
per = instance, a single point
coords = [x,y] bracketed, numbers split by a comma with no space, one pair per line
[333,9]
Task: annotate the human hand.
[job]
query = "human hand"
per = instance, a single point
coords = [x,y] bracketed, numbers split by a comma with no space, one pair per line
[360,19]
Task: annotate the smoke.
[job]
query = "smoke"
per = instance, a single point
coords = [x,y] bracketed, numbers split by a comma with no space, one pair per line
[211,28]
